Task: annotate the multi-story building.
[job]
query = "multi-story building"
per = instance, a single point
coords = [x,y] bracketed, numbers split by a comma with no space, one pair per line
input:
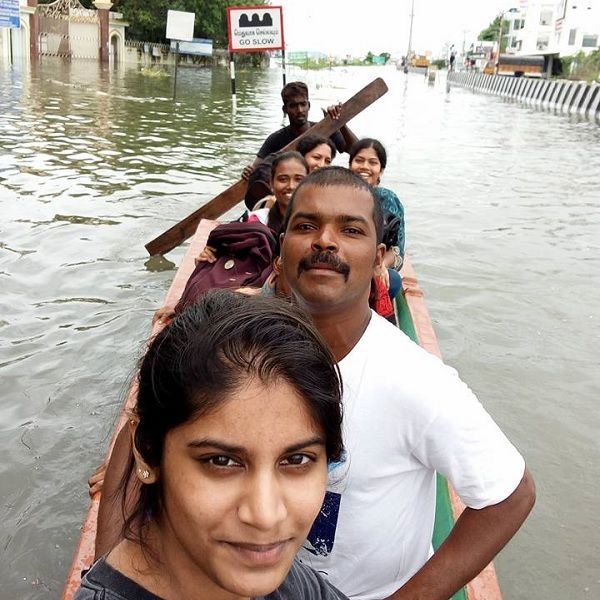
[554,28]
[511,37]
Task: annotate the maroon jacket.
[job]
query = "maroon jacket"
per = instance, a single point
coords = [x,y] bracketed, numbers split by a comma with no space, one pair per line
[245,253]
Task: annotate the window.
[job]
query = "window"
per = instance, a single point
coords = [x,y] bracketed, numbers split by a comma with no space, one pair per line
[572,35]
[542,43]
[589,41]
[546,17]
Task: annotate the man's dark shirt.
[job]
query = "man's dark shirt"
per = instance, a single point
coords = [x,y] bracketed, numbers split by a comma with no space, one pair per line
[280,139]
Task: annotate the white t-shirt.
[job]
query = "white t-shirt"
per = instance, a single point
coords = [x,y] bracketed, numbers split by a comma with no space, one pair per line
[406,415]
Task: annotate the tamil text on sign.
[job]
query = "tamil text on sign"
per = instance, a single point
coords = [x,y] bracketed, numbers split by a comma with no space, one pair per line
[255,28]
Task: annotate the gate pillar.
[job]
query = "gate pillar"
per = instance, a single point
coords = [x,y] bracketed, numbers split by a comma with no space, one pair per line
[34,31]
[103,7]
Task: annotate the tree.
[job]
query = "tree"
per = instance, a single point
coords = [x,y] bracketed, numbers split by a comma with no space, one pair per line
[369,57]
[148,18]
[385,56]
[490,33]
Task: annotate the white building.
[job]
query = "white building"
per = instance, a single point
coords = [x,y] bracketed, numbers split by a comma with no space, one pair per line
[515,18]
[560,28]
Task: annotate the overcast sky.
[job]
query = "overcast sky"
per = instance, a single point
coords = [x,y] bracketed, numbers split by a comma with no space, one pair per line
[354,27]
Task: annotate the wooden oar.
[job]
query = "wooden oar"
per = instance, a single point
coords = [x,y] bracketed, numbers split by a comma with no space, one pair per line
[231,196]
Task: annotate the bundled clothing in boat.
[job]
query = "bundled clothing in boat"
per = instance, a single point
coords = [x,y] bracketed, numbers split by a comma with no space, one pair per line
[245,253]
[104,582]
[406,417]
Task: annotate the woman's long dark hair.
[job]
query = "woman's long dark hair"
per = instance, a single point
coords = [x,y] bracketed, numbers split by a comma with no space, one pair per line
[195,364]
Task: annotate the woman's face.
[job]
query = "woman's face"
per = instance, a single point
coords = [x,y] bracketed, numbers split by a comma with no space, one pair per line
[366,164]
[288,175]
[241,487]
[319,156]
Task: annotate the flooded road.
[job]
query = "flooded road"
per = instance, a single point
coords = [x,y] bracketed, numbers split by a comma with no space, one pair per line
[503,225]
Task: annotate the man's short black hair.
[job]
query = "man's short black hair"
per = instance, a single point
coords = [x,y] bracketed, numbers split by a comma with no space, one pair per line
[336,177]
[294,88]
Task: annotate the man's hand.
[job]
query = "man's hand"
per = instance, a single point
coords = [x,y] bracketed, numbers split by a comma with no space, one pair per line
[247,172]
[96,481]
[382,273]
[207,255]
[164,315]
[334,111]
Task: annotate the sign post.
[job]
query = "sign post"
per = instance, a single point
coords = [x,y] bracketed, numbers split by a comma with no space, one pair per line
[254,29]
[180,27]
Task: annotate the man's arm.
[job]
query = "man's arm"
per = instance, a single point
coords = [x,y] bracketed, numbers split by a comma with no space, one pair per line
[348,136]
[476,538]
[110,512]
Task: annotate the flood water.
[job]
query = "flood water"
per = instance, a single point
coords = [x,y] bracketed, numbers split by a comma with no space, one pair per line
[503,225]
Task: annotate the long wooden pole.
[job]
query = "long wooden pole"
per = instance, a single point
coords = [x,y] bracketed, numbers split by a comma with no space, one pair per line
[227,199]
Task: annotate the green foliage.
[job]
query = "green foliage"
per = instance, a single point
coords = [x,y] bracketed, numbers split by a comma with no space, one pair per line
[490,33]
[148,18]
[440,63]
[386,57]
[369,57]
[582,66]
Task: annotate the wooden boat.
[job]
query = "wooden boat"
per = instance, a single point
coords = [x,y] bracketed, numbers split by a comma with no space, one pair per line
[413,319]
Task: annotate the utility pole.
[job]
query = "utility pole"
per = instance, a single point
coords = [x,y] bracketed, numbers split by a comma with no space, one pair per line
[412,14]
[499,42]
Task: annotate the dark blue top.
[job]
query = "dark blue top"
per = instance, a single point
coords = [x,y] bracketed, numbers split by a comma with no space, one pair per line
[103,582]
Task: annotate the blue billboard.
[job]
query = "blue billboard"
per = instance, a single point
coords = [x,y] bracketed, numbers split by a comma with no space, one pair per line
[9,14]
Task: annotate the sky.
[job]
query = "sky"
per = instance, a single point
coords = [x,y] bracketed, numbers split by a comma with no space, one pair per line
[341,27]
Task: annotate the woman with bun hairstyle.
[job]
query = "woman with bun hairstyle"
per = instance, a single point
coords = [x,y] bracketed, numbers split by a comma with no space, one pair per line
[318,151]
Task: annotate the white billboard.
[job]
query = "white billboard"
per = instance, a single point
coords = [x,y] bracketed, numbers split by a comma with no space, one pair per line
[255,28]
[180,25]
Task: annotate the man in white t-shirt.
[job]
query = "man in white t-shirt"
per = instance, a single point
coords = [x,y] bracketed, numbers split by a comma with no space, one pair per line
[406,416]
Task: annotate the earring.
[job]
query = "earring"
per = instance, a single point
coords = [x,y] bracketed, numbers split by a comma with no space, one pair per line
[144,473]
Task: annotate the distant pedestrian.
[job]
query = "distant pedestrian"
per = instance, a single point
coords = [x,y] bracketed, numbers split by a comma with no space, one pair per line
[452,60]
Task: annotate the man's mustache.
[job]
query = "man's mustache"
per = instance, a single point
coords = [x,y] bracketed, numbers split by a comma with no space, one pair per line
[324,258]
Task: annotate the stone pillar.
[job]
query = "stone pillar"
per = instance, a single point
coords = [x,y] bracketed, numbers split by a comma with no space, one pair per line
[34,31]
[103,7]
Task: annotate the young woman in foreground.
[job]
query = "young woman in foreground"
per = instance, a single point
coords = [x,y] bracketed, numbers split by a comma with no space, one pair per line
[238,415]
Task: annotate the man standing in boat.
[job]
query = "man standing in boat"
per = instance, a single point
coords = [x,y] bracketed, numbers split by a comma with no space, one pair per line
[296,106]
[406,417]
